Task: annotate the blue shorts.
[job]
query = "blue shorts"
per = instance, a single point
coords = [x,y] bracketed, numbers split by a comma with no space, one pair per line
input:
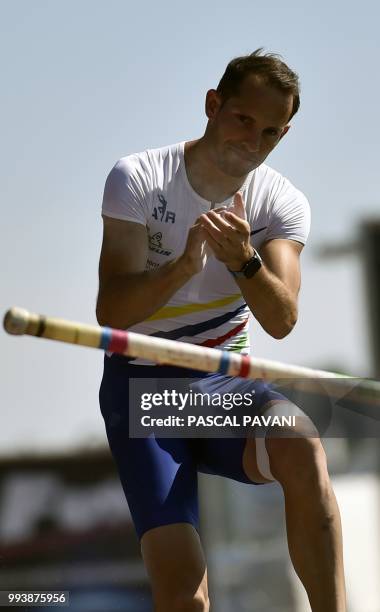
[159,475]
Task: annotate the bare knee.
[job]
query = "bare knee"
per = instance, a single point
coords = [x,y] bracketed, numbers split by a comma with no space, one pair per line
[298,461]
[285,453]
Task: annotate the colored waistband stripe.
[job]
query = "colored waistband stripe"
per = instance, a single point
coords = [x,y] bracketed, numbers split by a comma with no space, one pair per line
[224,362]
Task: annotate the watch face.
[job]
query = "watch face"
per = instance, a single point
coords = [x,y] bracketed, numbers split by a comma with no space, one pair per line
[252,266]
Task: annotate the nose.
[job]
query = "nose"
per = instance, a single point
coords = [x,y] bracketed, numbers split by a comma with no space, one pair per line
[253,140]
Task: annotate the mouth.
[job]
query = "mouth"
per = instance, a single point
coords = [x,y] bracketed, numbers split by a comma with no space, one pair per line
[244,155]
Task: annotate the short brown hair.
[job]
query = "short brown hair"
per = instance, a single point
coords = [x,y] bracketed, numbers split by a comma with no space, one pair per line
[269,66]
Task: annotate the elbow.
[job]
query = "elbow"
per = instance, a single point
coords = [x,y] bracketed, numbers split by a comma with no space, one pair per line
[284,326]
[107,316]
[101,320]
[280,333]
[105,320]
[100,315]
[103,316]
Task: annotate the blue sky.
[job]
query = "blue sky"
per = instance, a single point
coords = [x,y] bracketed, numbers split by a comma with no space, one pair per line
[86,82]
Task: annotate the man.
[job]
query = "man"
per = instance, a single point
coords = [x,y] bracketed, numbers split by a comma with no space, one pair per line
[196,235]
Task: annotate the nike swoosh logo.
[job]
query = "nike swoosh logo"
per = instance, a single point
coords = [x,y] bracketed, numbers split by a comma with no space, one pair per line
[257,231]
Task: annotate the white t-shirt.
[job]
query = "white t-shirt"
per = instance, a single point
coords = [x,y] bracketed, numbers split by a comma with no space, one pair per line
[152,188]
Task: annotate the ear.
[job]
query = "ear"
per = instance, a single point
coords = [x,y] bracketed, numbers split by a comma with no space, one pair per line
[213,103]
[285,131]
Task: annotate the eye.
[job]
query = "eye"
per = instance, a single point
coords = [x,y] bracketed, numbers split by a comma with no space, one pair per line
[244,119]
[272,132]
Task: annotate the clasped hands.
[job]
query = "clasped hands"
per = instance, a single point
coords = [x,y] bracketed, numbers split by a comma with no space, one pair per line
[227,234]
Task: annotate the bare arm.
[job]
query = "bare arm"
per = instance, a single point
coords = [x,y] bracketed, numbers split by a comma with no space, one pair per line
[272,292]
[127,293]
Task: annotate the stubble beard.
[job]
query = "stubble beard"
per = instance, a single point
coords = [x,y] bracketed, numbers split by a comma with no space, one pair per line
[233,166]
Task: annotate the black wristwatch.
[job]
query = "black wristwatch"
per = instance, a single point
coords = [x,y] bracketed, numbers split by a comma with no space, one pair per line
[250,267]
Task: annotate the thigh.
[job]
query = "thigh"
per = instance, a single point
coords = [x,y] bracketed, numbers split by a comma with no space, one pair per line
[228,456]
[159,477]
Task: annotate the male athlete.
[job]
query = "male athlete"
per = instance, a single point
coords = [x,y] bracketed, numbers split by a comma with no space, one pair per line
[196,236]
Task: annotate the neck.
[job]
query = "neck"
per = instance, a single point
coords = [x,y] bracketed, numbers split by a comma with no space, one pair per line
[204,175]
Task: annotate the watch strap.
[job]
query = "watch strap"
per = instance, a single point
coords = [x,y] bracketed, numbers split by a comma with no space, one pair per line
[249,268]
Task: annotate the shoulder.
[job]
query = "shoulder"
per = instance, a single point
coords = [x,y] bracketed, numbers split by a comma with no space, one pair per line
[143,166]
[280,195]
[148,158]
[133,180]
[283,206]
[277,186]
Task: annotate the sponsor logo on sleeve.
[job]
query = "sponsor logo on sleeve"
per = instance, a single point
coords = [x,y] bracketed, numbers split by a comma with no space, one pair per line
[155,244]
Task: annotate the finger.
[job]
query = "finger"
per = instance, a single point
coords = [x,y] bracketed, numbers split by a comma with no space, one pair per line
[219,209]
[198,225]
[214,246]
[237,222]
[213,230]
[219,221]
[238,206]
[197,234]
[197,222]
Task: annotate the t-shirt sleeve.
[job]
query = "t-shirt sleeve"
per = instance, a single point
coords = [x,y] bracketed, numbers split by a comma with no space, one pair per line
[126,192]
[290,214]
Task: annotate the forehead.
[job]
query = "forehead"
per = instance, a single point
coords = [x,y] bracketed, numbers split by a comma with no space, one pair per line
[262,100]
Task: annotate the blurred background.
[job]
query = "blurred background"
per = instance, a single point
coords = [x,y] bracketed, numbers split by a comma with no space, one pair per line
[83,84]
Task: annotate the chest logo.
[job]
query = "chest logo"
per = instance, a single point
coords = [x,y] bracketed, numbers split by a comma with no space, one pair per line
[155,244]
[160,213]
